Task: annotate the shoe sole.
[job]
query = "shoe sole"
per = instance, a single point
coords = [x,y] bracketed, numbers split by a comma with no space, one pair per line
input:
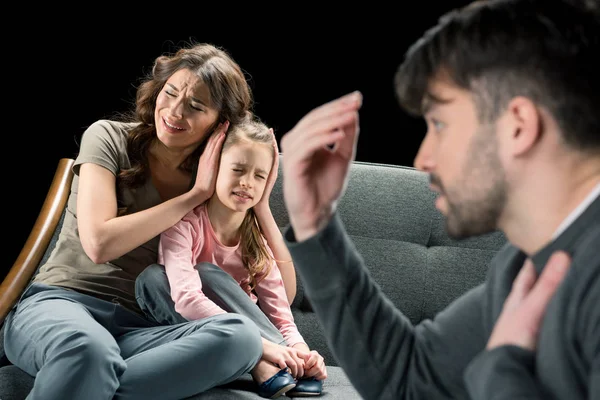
[303,394]
[283,390]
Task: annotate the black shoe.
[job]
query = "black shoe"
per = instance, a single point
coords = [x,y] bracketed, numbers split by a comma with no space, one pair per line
[306,388]
[277,385]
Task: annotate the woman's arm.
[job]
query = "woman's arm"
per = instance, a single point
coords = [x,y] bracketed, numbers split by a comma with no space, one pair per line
[105,237]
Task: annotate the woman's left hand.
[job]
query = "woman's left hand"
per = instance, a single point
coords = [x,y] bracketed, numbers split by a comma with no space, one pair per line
[263,203]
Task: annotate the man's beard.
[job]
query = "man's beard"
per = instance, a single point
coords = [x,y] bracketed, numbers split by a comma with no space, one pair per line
[476,201]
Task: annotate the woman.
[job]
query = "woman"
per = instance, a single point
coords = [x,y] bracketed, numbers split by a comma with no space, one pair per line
[78,328]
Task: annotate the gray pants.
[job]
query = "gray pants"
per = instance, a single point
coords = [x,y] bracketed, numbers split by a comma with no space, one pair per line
[80,347]
[153,295]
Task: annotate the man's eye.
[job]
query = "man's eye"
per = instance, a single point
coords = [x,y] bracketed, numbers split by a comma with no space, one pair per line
[438,126]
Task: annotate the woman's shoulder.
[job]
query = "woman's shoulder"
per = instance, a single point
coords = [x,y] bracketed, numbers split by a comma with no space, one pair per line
[112,127]
[106,132]
[104,142]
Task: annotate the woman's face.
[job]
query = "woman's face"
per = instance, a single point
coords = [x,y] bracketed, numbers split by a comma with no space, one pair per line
[183,114]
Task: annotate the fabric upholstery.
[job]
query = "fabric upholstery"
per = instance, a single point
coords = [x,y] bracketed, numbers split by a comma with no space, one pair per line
[389,213]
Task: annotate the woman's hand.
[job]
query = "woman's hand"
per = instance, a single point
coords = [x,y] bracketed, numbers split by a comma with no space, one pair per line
[208,165]
[262,206]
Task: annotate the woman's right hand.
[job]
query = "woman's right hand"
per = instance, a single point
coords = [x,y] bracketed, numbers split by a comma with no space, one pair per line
[285,357]
[208,165]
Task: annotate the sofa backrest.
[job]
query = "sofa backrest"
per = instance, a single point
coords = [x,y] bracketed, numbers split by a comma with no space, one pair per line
[390,215]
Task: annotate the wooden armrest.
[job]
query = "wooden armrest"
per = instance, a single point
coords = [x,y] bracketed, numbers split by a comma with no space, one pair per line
[37,242]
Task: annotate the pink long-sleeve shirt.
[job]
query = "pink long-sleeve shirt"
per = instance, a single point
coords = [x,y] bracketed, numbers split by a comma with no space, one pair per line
[191,241]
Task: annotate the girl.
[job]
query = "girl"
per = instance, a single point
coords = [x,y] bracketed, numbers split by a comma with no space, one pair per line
[224,232]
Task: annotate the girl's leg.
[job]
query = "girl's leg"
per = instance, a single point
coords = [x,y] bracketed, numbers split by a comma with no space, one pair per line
[53,337]
[154,297]
[153,294]
[221,288]
[178,361]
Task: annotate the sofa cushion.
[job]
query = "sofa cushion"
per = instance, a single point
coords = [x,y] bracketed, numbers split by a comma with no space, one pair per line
[389,212]
[337,386]
[15,384]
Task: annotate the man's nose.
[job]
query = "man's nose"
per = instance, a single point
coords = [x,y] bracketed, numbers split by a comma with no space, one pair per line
[424,160]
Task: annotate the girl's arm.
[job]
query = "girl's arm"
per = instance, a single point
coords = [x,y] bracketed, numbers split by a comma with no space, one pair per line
[104,236]
[176,253]
[272,233]
[280,251]
[274,304]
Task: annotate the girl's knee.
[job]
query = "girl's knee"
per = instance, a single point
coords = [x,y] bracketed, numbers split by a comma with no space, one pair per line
[246,334]
[206,270]
[152,278]
[213,276]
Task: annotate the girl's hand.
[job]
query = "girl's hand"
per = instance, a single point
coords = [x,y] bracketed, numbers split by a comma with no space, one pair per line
[285,357]
[263,203]
[208,165]
[314,366]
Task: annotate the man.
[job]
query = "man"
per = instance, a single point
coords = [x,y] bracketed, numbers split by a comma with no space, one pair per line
[510,91]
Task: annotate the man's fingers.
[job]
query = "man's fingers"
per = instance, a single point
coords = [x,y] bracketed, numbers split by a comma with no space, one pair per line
[522,284]
[336,114]
[550,279]
[295,153]
[300,135]
[340,105]
[348,145]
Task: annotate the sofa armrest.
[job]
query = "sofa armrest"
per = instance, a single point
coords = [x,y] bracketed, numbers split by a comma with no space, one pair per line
[31,254]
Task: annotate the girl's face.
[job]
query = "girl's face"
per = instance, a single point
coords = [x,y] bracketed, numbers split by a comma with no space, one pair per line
[183,114]
[243,172]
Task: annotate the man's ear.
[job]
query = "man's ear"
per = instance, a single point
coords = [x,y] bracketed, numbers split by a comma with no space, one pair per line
[525,123]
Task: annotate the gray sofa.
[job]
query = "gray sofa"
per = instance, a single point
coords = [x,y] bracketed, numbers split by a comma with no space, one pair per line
[389,212]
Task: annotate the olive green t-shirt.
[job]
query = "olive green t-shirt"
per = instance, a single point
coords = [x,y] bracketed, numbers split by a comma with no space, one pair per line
[103,143]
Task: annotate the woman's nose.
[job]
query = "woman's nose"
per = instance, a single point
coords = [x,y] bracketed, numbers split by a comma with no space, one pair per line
[176,108]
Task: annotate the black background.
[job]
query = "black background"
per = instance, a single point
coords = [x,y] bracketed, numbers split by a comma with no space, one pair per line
[64,69]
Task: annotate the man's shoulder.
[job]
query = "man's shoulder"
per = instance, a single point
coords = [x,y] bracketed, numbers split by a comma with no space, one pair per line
[586,251]
[505,257]
[505,266]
